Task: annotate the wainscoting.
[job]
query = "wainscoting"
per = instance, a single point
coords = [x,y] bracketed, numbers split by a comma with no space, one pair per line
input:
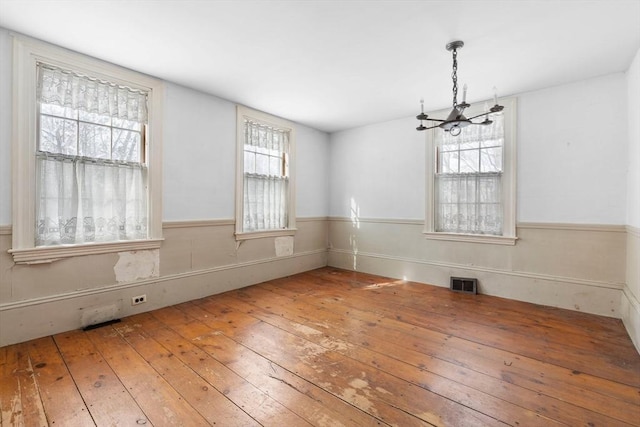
[588,268]
[197,258]
[577,267]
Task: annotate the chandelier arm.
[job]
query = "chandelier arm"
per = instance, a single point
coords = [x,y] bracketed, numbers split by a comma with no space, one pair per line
[435,120]
[479,115]
[431,127]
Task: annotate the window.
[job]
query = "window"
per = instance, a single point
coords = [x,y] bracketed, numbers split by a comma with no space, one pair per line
[91,175]
[265,188]
[87,156]
[472,183]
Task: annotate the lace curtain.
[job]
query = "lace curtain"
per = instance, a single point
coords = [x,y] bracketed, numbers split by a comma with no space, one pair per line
[66,89]
[265,177]
[469,179]
[91,183]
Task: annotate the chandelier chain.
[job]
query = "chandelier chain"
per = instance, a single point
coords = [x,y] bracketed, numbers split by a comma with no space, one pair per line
[454,76]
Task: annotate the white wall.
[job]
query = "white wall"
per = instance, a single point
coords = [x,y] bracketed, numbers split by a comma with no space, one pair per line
[200,159]
[199,155]
[630,301]
[571,159]
[5,127]
[633,155]
[572,153]
[312,173]
[378,171]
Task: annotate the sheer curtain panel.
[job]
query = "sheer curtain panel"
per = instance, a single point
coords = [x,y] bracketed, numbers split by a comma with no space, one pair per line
[92,177]
[265,177]
[468,181]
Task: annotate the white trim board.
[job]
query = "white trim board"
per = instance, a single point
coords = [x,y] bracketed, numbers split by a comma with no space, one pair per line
[21,320]
[601,298]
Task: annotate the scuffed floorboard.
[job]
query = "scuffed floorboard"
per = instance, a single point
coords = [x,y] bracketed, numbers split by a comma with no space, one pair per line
[330,348]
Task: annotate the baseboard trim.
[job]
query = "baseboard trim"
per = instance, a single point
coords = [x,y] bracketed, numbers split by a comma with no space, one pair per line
[138,283]
[527,275]
[595,297]
[23,321]
[630,310]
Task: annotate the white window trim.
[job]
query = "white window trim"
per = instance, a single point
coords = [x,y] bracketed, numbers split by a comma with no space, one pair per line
[508,184]
[26,53]
[243,113]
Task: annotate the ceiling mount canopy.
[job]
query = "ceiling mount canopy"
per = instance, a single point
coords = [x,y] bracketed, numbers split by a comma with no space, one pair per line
[456,120]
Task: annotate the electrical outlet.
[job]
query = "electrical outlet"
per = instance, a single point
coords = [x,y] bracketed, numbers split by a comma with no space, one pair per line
[138,299]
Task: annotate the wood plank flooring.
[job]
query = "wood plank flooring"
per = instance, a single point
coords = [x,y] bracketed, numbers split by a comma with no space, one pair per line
[330,348]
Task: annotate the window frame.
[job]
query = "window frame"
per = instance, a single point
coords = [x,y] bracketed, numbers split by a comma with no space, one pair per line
[508,236]
[27,52]
[243,113]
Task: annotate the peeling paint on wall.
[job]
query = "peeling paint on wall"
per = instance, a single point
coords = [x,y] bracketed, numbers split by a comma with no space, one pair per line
[136,265]
[284,246]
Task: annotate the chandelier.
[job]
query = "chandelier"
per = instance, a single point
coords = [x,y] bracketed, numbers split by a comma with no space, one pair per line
[456,120]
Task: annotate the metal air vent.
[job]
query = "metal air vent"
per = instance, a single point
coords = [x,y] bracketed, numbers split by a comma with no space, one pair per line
[464,284]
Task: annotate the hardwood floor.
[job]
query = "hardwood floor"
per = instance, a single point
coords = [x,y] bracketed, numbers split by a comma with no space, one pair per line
[330,348]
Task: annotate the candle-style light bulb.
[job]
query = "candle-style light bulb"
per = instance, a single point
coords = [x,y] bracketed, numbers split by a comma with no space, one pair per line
[464,94]
[422,105]
[495,95]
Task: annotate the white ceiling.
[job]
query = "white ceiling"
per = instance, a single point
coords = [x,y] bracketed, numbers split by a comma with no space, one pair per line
[334,65]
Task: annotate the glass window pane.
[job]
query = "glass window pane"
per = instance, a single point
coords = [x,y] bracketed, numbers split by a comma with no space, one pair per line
[262,164]
[492,142]
[469,161]
[56,110]
[249,162]
[126,145]
[126,124]
[275,166]
[491,160]
[95,141]
[468,144]
[58,135]
[94,118]
[449,162]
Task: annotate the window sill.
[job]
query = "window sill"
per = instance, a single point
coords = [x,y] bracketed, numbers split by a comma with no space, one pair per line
[472,238]
[48,254]
[265,233]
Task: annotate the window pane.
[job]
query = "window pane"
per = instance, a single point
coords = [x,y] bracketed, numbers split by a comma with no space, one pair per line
[58,135]
[469,161]
[126,145]
[126,124]
[492,143]
[249,162]
[94,118]
[95,141]
[467,144]
[275,166]
[491,160]
[262,164]
[449,162]
[56,110]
